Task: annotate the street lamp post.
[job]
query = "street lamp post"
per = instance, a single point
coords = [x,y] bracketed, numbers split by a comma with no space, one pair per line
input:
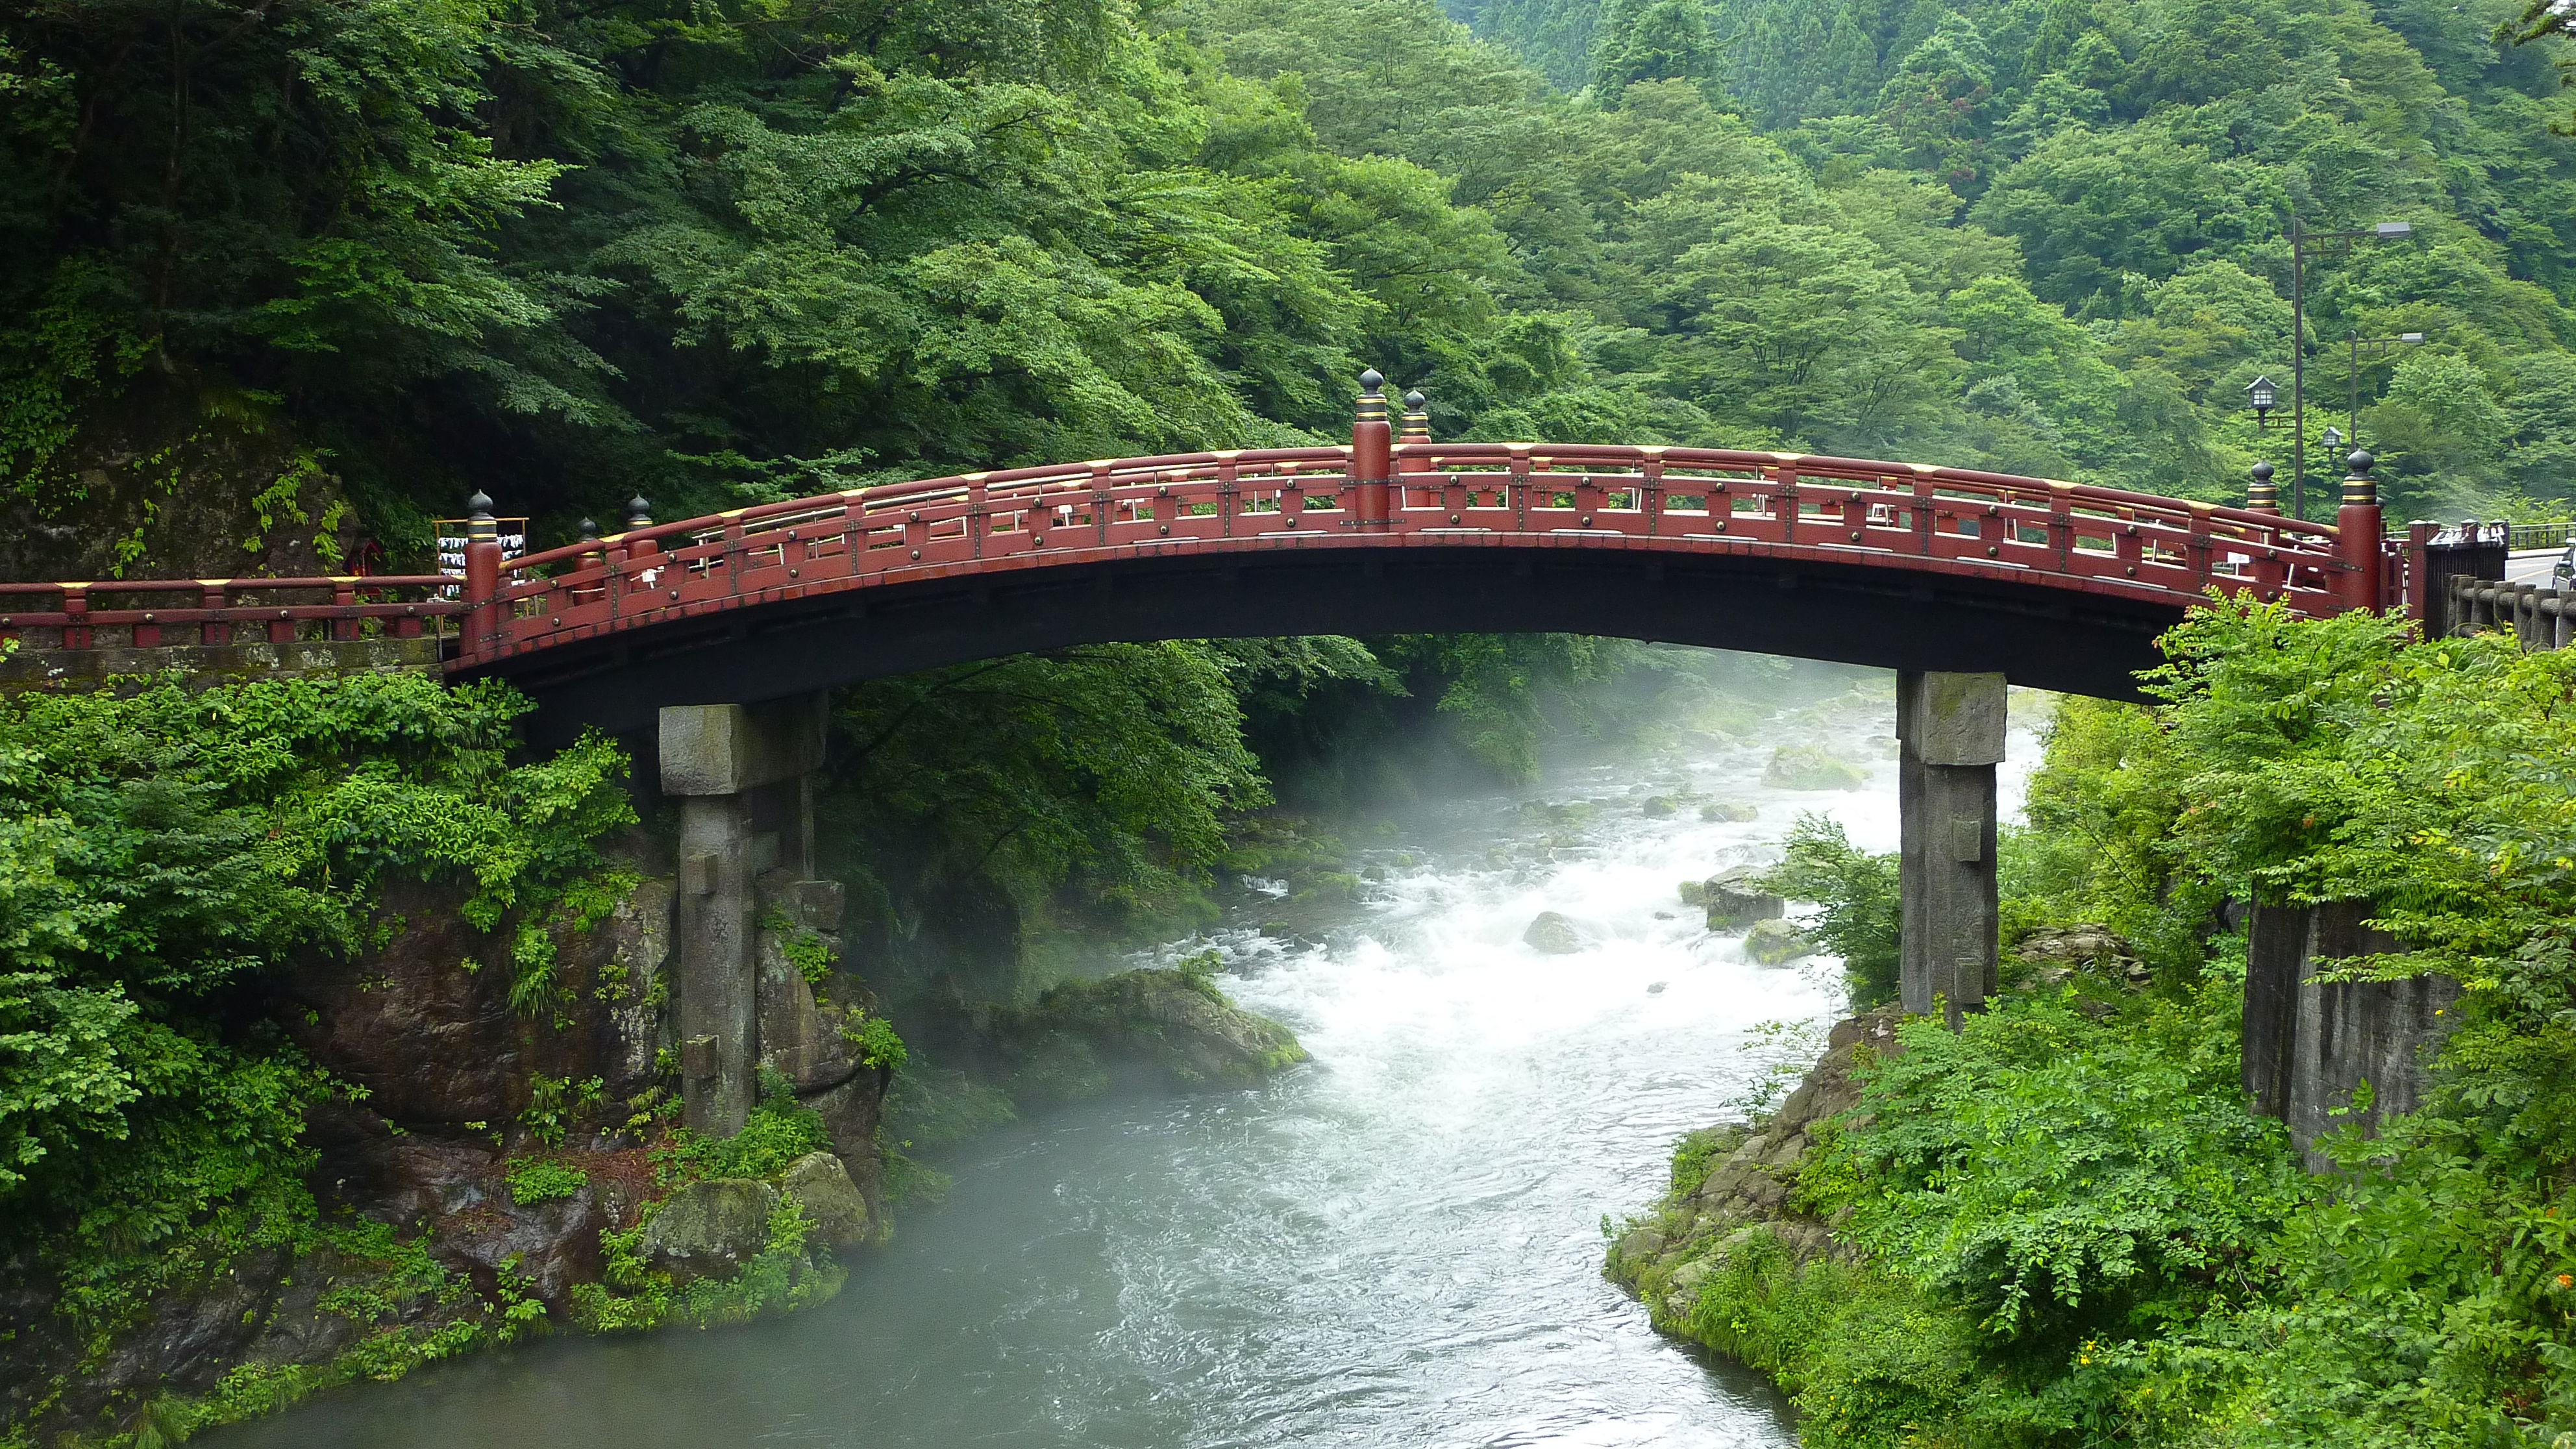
[2300,240]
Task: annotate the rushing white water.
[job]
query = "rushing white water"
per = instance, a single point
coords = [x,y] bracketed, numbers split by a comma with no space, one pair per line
[1398,1246]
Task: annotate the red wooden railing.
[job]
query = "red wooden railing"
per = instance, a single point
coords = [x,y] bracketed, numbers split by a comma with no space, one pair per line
[145,613]
[1376,492]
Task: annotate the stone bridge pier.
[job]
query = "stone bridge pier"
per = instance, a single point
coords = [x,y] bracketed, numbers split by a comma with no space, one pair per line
[743,775]
[1950,733]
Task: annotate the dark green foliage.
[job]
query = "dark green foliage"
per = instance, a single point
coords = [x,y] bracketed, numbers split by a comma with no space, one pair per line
[2077,1234]
[159,853]
[742,256]
[778,1130]
[1856,892]
[2054,1177]
[534,1180]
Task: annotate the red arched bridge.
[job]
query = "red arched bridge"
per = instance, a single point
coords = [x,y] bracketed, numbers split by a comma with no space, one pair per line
[2054,584]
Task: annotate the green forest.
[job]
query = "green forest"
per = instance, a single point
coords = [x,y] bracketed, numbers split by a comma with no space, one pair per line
[569,252]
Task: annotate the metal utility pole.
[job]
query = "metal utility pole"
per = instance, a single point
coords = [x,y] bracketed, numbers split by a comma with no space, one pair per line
[2300,239]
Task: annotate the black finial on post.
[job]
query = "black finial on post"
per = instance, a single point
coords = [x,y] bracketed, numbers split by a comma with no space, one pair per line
[589,531]
[639,514]
[478,516]
[1417,423]
[1372,403]
[2358,486]
[2262,496]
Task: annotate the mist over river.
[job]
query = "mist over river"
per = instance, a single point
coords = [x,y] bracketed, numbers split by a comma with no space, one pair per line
[1398,1246]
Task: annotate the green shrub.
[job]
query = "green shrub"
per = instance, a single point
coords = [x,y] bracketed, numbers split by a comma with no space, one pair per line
[534,1180]
[874,1039]
[778,1130]
[1858,894]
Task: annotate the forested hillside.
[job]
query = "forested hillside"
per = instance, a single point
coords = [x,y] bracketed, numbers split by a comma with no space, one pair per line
[568,252]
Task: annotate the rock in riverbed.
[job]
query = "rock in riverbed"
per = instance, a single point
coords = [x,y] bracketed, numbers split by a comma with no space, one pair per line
[1552,935]
[1804,767]
[1775,943]
[1734,902]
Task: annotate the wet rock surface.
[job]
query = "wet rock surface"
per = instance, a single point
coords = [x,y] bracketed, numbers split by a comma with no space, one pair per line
[1751,1171]
[1804,767]
[1734,902]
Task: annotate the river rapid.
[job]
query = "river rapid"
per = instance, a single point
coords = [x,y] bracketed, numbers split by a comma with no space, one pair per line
[1396,1247]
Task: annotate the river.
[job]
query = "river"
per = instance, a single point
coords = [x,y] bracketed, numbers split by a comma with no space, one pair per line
[1397,1246]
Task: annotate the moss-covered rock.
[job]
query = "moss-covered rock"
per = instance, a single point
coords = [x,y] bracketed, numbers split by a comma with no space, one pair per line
[1732,1185]
[1730,811]
[1734,902]
[1775,942]
[820,1186]
[710,1228]
[1551,934]
[1804,767]
[1155,1028]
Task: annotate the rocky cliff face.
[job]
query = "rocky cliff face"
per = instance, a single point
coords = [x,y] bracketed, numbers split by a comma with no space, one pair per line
[178,478]
[464,1197]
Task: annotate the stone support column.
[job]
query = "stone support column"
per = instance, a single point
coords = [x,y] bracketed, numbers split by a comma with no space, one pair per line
[1951,731]
[2276,942]
[712,756]
[717,997]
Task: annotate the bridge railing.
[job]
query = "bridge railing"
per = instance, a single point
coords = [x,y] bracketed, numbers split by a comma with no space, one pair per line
[1435,493]
[1413,492]
[150,613]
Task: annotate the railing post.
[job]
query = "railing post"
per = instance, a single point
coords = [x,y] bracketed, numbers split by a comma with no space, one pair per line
[2357,534]
[211,598]
[2421,606]
[76,616]
[1372,444]
[482,576]
[2260,494]
[639,551]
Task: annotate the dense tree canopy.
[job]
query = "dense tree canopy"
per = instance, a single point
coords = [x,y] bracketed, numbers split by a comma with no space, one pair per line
[575,249]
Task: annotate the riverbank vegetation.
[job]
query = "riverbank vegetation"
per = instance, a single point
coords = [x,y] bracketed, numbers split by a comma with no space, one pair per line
[166,859]
[2062,1225]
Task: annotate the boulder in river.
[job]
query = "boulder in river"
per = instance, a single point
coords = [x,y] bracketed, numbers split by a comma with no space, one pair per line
[1734,811]
[1804,767]
[818,1183]
[1775,942]
[711,1227]
[1167,1028]
[1734,902]
[1551,934]
[1657,807]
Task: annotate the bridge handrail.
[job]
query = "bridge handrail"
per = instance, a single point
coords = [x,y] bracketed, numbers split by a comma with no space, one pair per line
[1962,522]
[1808,465]
[217,612]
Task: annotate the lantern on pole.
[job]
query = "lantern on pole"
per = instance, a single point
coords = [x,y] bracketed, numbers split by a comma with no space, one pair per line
[2263,396]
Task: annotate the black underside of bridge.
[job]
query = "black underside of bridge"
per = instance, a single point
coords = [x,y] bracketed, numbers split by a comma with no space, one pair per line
[2036,634]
